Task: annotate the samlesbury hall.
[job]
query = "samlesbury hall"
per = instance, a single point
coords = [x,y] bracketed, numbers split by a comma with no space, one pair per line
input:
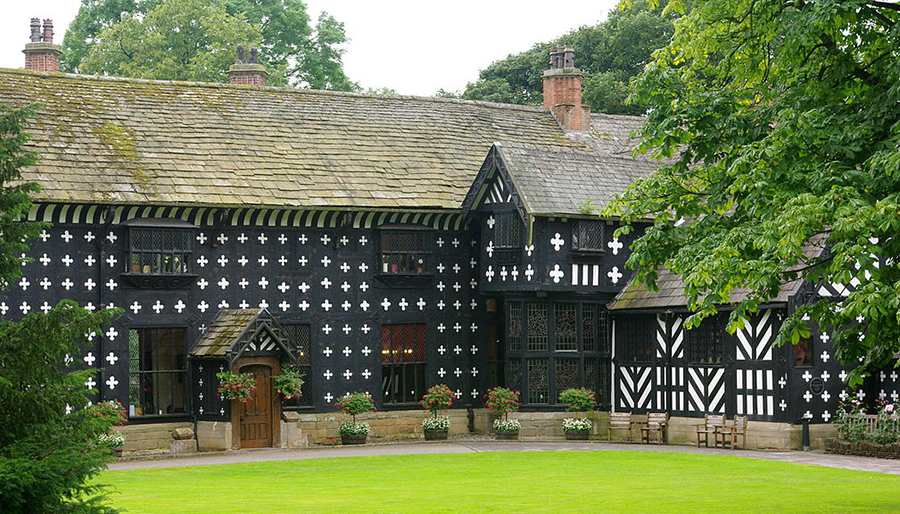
[383,244]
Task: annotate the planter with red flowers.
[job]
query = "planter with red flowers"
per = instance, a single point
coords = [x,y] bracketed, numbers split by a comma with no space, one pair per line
[438,398]
[354,404]
[503,401]
[236,386]
[110,413]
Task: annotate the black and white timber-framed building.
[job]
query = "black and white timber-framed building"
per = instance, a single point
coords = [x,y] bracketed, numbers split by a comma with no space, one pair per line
[380,243]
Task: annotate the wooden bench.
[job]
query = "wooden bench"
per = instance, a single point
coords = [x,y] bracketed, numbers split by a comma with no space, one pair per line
[619,421]
[729,433]
[657,422]
[711,425]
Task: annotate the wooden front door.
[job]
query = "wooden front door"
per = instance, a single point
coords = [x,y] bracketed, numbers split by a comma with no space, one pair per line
[257,414]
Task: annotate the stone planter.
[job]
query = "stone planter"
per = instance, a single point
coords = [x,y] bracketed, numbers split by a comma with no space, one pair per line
[577,435]
[117,452]
[507,435]
[435,435]
[863,449]
[354,439]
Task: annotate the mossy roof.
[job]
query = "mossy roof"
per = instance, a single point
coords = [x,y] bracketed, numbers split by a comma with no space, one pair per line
[224,331]
[175,143]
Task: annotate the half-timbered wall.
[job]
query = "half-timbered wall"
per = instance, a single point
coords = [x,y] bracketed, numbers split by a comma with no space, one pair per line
[307,267]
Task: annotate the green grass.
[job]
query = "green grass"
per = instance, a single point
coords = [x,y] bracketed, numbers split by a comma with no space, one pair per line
[506,482]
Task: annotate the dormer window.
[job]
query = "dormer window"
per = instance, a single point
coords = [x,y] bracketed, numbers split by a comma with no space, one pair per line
[159,253]
[404,252]
[587,235]
[507,228]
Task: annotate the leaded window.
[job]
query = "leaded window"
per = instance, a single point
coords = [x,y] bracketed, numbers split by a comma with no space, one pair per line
[157,369]
[552,346]
[507,227]
[704,342]
[587,235]
[402,363]
[514,326]
[299,337]
[538,381]
[636,334]
[160,251]
[565,321]
[404,252]
[537,327]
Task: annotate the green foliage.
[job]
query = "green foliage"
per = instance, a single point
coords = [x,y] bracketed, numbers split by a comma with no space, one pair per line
[852,423]
[236,386]
[438,398]
[47,455]
[781,121]
[581,399]
[15,201]
[289,384]
[609,54]
[502,401]
[587,207]
[205,33]
[355,403]
[177,40]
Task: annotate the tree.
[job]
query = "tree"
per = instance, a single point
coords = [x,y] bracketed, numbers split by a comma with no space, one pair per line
[46,455]
[781,123]
[289,47]
[178,40]
[609,54]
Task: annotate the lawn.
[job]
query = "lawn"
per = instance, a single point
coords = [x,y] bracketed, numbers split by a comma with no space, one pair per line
[505,482]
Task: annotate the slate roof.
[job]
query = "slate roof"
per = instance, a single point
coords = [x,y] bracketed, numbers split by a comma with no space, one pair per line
[559,180]
[671,288]
[223,332]
[176,143]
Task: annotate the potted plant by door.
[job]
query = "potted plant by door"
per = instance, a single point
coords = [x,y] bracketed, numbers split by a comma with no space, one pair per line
[289,384]
[353,404]
[503,401]
[581,399]
[438,398]
[236,386]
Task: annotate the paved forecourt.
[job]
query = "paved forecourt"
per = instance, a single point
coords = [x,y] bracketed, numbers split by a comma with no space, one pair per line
[812,458]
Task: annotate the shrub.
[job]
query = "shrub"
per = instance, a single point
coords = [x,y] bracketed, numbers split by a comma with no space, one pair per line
[236,386]
[289,384]
[436,423]
[578,400]
[355,403]
[502,401]
[438,398]
[110,411]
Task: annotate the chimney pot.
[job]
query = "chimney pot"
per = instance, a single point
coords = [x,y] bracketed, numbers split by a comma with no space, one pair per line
[35,30]
[41,54]
[48,31]
[247,73]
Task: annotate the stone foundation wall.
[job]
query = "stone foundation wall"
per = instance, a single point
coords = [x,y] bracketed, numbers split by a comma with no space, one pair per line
[214,436]
[155,438]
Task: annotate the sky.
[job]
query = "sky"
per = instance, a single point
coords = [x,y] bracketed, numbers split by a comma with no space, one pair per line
[412,46]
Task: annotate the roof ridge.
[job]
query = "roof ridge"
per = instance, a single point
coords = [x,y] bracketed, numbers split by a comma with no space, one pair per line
[285,89]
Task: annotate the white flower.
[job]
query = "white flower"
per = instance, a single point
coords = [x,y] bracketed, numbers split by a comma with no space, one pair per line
[509,425]
[438,423]
[577,424]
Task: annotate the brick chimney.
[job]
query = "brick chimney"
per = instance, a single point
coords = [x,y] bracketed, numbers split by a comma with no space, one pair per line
[562,91]
[41,54]
[250,73]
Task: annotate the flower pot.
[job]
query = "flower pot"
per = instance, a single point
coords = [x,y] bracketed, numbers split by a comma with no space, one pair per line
[354,439]
[508,435]
[117,452]
[577,435]
[435,435]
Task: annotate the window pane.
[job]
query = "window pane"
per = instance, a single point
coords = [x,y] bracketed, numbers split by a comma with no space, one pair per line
[566,374]
[537,327]
[588,328]
[403,362]
[637,335]
[538,381]
[565,319]
[157,371]
[506,230]
[803,352]
[704,342]
[514,326]
[587,235]
[515,375]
